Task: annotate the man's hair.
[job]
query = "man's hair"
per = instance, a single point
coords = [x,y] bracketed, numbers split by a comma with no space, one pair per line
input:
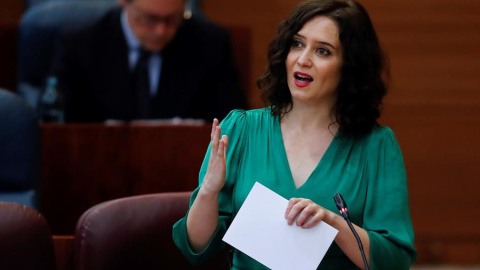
[362,86]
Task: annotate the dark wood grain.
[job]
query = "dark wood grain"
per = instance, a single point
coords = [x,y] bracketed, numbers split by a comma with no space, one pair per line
[86,164]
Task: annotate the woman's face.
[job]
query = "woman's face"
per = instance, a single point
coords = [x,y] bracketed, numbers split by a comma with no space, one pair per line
[314,62]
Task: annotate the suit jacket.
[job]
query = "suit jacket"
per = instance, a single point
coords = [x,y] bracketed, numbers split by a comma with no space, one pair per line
[198,77]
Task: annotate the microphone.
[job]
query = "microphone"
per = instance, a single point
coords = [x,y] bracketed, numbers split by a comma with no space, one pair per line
[342,207]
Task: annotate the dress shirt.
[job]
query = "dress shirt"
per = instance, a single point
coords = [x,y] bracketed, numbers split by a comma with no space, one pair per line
[134,46]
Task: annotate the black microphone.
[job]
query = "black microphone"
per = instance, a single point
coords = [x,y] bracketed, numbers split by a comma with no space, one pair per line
[342,207]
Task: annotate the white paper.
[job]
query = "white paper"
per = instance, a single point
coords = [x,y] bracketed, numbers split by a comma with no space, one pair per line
[260,230]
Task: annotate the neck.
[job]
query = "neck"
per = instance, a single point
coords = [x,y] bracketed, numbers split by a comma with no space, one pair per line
[310,117]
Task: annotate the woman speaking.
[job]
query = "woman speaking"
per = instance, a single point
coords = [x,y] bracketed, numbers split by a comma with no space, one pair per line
[319,136]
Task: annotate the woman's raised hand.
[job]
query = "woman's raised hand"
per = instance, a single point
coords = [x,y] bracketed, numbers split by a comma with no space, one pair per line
[215,176]
[306,213]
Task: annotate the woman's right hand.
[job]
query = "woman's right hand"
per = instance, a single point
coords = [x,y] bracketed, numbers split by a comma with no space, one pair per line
[215,177]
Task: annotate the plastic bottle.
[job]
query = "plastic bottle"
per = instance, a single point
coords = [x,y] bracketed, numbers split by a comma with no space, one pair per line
[51,103]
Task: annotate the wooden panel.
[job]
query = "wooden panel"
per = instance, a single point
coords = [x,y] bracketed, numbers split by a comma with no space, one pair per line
[441,152]
[10,13]
[433,50]
[86,164]
[166,158]
[260,16]
[64,251]
[82,166]
[433,45]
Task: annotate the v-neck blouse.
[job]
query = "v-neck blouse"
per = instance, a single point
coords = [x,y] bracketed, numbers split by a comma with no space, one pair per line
[281,146]
[369,173]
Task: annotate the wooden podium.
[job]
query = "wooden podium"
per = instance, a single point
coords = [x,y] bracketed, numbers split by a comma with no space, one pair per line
[86,164]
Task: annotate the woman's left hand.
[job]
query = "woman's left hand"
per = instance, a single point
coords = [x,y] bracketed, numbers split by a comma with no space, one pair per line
[306,213]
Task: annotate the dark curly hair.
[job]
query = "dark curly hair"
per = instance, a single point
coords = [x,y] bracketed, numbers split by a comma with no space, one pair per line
[362,85]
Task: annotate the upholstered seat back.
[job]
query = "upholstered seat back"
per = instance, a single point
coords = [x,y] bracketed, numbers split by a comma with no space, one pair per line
[19,151]
[25,239]
[134,233]
[39,29]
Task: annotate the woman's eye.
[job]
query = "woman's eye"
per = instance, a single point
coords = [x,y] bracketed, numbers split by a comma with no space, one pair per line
[296,44]
[323,51]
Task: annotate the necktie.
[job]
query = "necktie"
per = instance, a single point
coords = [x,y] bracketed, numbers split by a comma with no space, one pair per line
[141,85]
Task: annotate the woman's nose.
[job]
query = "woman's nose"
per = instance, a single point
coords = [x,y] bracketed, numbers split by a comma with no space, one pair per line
[305,59]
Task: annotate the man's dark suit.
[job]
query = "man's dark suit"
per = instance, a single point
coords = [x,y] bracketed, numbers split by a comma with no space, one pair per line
[198,78]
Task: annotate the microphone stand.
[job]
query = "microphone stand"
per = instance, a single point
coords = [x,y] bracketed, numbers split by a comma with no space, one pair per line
[342,207]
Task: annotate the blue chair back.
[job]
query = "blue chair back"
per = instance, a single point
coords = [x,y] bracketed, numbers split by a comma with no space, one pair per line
[19,151]
[39,28]
[31,3]
[193,5]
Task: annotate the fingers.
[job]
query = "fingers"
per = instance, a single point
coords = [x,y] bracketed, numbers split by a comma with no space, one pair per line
[222,147]
[214,124]
[313,220]
[219,146]
[225,141]
[215,139]
[295,206]
[310,216]
[291,203]
[305,212]
[214,179]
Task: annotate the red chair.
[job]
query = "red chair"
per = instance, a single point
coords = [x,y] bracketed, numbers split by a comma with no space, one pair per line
[25,239]
[134,233]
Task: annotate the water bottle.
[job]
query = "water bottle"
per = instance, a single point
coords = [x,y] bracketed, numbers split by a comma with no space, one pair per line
[51,103]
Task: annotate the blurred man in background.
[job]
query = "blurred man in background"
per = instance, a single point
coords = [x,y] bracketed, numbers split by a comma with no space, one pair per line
[144,60]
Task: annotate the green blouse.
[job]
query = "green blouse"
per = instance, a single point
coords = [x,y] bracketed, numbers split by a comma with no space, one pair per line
[369,173]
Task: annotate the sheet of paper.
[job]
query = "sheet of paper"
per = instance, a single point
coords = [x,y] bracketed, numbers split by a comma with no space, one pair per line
[260,230]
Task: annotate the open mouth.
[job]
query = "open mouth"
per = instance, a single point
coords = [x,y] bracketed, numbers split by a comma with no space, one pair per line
[302,77]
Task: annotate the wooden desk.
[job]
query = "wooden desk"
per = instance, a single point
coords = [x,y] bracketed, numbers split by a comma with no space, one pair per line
[86,164]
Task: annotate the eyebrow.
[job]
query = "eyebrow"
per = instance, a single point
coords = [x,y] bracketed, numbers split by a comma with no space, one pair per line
[321,42]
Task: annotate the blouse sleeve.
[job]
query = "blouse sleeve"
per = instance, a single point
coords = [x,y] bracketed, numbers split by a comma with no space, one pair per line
[387,211]
[233,125]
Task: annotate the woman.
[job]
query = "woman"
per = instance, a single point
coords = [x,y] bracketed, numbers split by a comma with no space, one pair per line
[319,137]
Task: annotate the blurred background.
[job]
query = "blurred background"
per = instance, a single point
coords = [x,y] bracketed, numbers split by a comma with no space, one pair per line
[433,105]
